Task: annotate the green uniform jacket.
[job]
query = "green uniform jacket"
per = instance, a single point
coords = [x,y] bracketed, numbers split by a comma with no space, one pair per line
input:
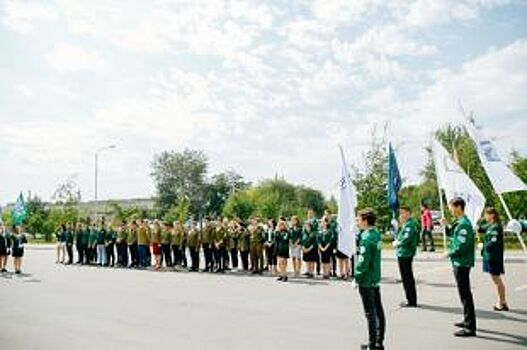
[166,237]
[461,247]
[220,234]
[368,267]
[85,236]
[244,242]
[282,241]
[257,236]
[92,240]
[132,236]
[101,236]
[493,243]
[193,240]
[110,237]
[155,235]
[178,236]
[78,237]
[123,235]
[310,239]
[207,234]
[233,236]
[408,237]
[69,237]
[295,235]
[324,240]
[143,237]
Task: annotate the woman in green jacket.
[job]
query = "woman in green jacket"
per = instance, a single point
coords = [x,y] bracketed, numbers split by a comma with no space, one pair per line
[492,253]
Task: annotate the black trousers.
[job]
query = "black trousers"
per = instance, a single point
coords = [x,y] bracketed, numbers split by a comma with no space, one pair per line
[176,251]
[80,253]
[122,254]
[352,266]
[110,254]
[183,250]
[234,258]
[194,256]
[245,260]
[166,255]
[207,251]
[373,310]
[69,250]
[134,254]
[219,257]
[424,235]
[90,255]
[270,255]
[407,275]
[462,275]
[333,262]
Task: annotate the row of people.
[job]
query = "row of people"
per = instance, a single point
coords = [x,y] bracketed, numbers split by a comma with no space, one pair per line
[223,244]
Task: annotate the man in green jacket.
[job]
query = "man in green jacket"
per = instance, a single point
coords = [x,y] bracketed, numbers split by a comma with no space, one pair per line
[461,254]
[368,277]
[405,246]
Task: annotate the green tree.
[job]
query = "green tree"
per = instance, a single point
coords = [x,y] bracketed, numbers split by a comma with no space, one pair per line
[219,188]
[240,204]
[179,175]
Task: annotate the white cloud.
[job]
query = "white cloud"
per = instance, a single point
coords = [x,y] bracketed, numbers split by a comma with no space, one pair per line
[23,90]
[21,16]
[327,80]
[71,58]
[341,10]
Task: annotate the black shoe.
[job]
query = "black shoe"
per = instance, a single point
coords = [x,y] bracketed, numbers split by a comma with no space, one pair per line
[465,333]
[460,324]
[504,307]
[285,279]
[280,278]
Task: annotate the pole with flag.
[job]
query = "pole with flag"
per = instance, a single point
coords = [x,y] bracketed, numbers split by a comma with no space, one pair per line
[394,186]
[347,230]
[453,180]
[503,180]
[19,213]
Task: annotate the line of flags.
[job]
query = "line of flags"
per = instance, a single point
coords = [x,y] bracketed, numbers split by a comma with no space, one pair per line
[450,178]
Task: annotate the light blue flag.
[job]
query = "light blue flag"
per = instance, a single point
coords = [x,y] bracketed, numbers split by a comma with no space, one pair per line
[19,213]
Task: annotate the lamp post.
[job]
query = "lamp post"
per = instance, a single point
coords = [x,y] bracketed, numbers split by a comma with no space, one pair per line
[99,150]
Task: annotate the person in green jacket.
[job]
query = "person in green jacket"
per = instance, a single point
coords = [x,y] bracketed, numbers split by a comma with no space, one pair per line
[368,277]
[69,243]
[233,236]
[78,242]
[109,243]
[85,239]
[219,235]
[405,245]
[193,243]
[122,245]
[178,243]
[133,247]
[324,247]
[461,254]
[244,244]
[310,248]
[206,239]
[282,249]
[166,242]
[92,244]
[257,237]
[492,253]
[295,238]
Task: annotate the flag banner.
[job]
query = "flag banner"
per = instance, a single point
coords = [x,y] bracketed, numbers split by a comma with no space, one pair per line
[453,180]
[19,213]
[394,180]
[347,229]
[500,175]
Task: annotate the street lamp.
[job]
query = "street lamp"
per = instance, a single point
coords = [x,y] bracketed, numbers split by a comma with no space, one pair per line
[99,150]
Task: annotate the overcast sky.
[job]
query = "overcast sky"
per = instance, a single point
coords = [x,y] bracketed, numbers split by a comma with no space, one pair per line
[263,87]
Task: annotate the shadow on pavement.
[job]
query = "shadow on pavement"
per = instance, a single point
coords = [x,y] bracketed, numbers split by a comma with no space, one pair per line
[501,337]
[490,315]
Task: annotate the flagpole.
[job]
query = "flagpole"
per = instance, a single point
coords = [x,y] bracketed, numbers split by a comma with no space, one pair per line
[441,204]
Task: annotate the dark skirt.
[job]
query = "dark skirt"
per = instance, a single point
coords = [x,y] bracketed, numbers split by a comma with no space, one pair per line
[17,252]
[311,256]
[341,255]
[283,253]
[3,251]
[495,268]
[325,257]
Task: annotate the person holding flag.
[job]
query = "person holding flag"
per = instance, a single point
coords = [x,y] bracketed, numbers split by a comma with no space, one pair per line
[406,244]
[461,254]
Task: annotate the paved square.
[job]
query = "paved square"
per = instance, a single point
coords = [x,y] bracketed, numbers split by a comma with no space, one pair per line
[71,307]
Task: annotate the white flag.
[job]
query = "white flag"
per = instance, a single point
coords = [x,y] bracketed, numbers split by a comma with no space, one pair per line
[456,183]
[346,211]
[502,178]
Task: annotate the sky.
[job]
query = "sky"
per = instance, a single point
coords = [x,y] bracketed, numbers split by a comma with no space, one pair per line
[262,87]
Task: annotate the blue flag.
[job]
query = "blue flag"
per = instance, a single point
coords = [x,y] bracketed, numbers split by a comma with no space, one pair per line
[19,213]
[394,180]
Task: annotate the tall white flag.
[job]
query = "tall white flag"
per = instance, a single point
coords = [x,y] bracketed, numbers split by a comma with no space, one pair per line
[502,178]
[346,211]
[456,183]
